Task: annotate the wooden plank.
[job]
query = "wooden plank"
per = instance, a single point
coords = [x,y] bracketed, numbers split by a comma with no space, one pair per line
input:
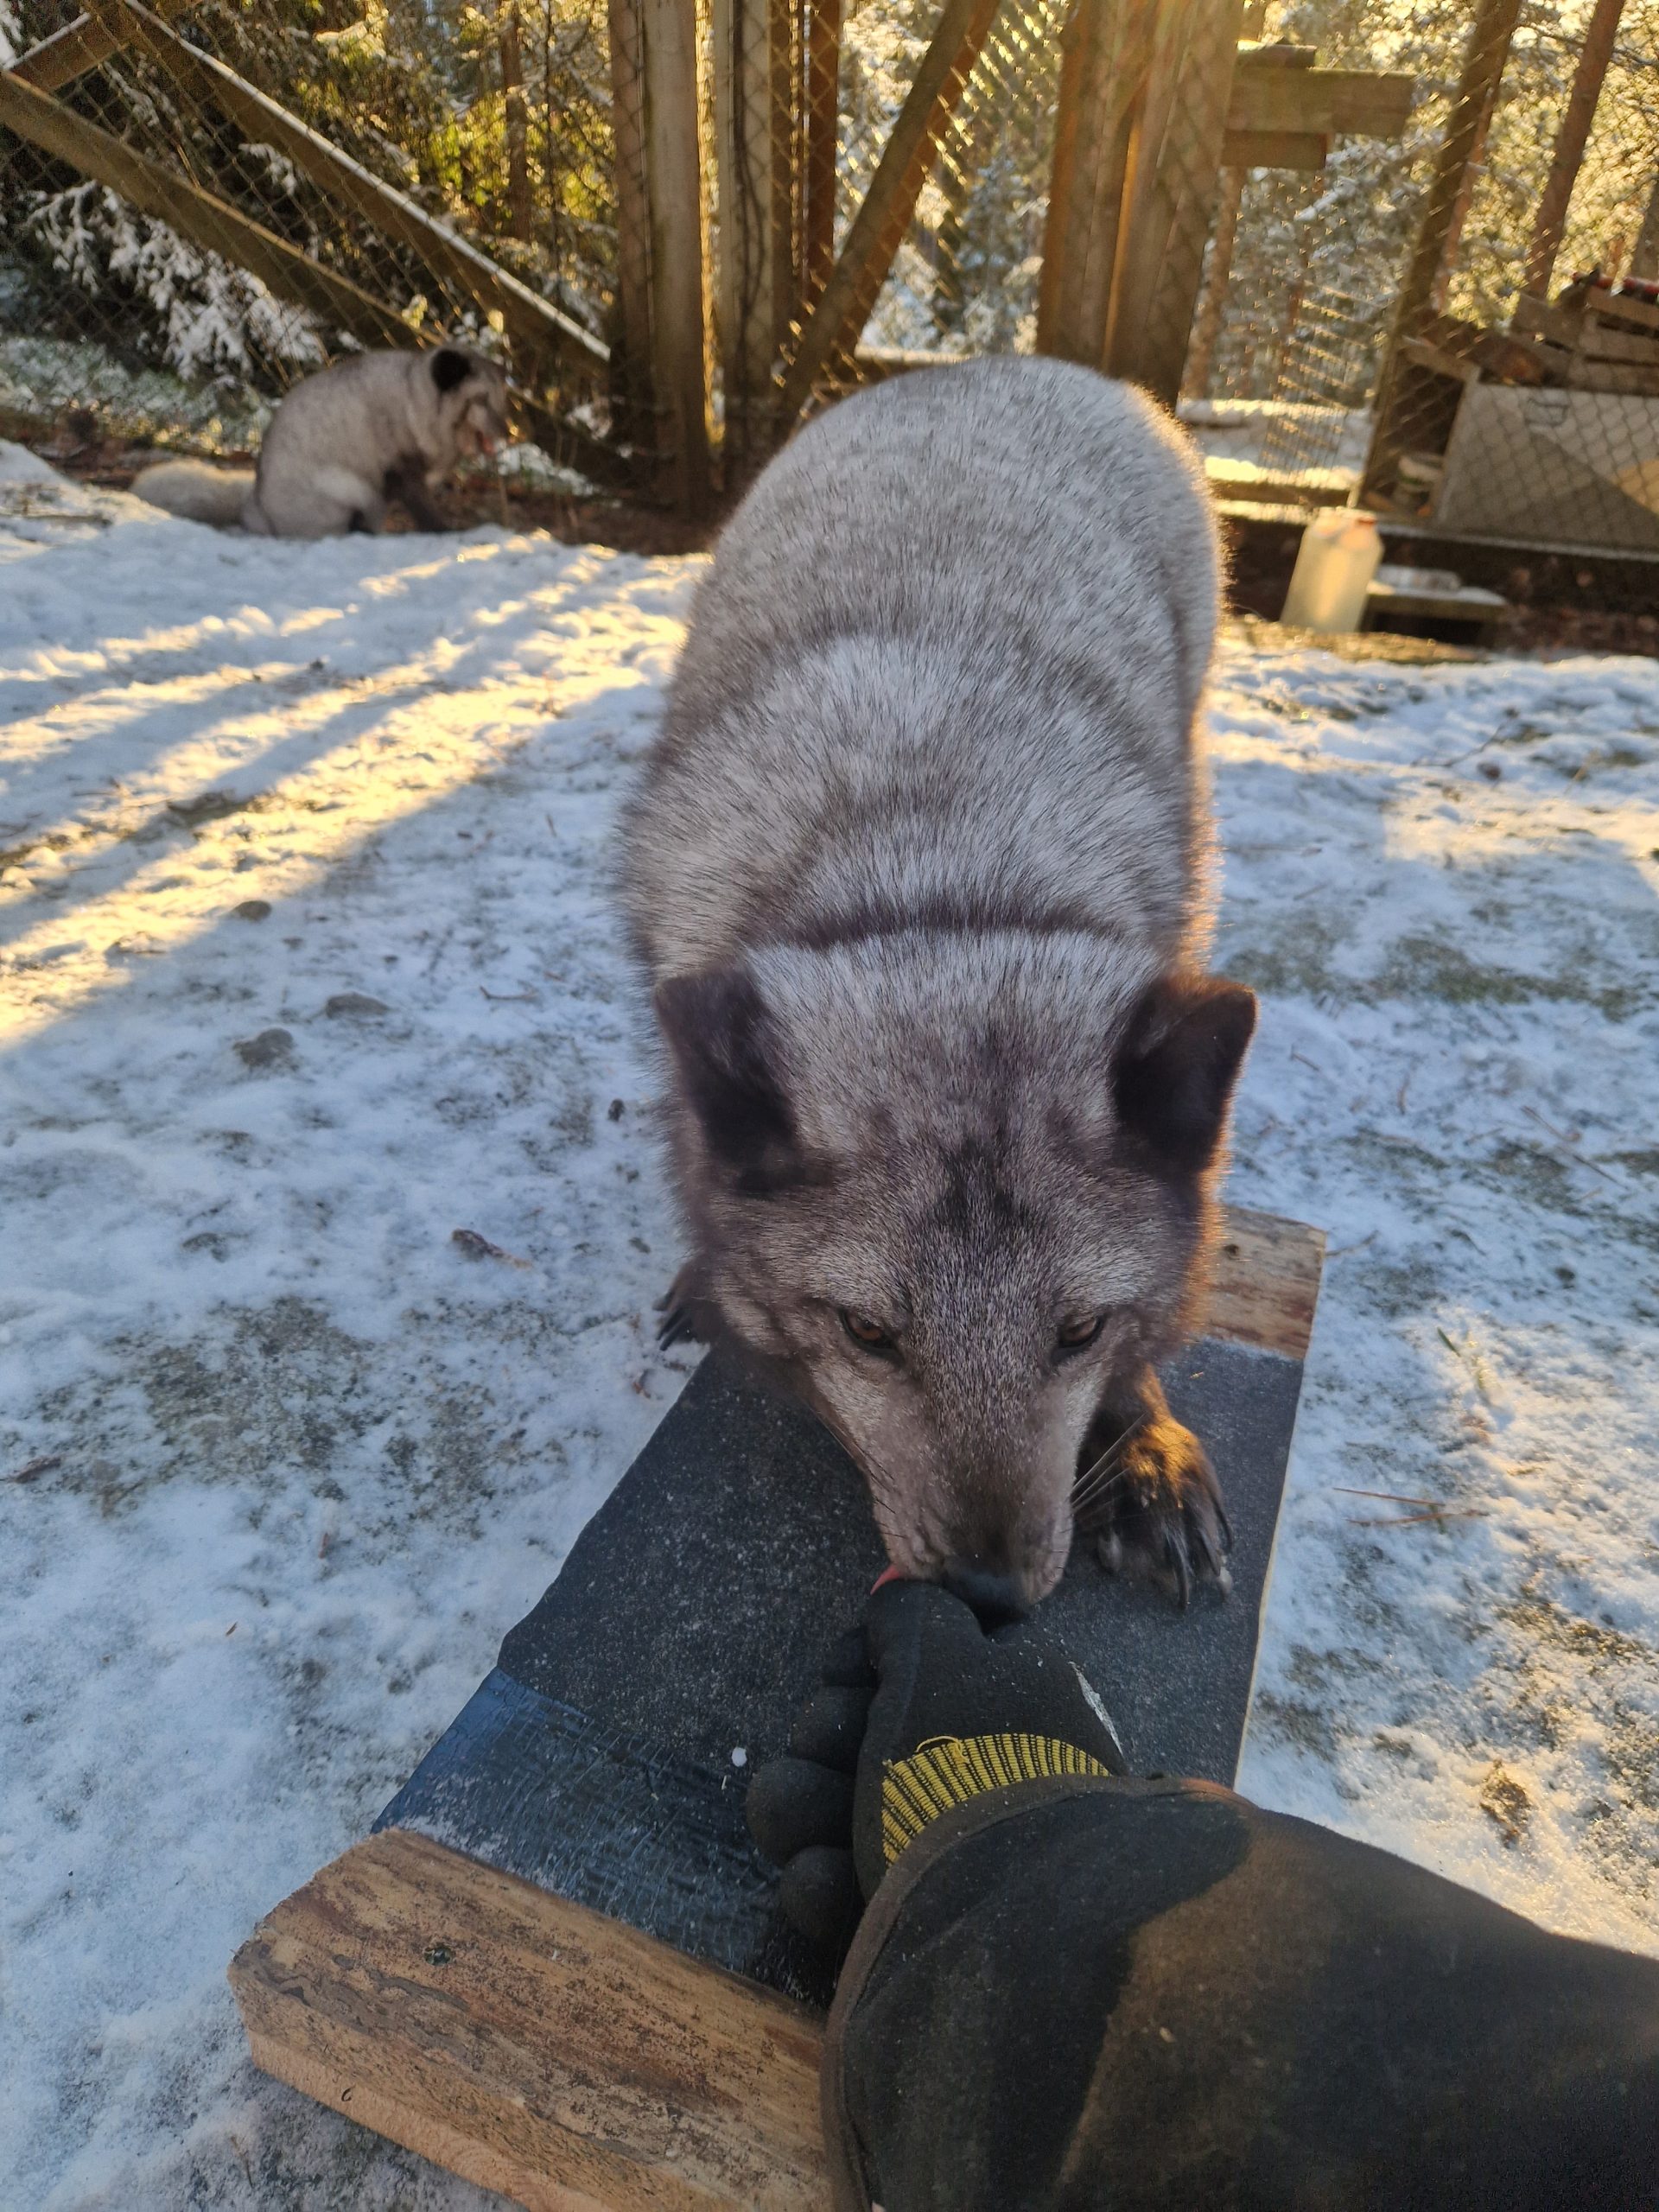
[537,325]
[679,375]
[197,215]
[843,306]
[1264,1281]
[1644,254]
[537,2048]
[1321,102]
[1572,136]
[79,47]
[1623,308]
[1423,353]
[1274,149]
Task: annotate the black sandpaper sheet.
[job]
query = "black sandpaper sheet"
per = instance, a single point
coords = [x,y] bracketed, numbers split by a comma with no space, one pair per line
[606,1754]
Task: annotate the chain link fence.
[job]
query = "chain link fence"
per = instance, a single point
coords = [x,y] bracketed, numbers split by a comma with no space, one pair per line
[965,277]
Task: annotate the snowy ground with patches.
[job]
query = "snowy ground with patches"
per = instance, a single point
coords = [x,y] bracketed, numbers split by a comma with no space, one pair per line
[306,962]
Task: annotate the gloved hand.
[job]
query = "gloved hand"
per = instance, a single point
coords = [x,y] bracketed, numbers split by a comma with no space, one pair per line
[920,1711]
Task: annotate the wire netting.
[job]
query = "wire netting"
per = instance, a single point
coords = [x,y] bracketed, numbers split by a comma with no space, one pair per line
[1473,366]
[965,277]
[496,122]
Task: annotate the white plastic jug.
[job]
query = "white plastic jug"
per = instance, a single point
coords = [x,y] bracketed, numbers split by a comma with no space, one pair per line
[1338,556]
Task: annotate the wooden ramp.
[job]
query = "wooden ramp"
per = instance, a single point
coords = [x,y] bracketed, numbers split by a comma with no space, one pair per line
[557,1967]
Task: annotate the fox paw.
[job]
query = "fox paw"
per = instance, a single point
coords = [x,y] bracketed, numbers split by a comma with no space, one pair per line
[677,1312]
[1161,1511]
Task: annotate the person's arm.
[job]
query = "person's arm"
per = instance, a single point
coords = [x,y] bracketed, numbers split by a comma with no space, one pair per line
[1078,1990]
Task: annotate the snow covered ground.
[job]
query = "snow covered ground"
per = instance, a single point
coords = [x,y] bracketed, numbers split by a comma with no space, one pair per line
[306,962]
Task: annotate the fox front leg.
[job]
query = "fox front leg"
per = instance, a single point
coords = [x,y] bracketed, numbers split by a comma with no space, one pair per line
[1146,1493]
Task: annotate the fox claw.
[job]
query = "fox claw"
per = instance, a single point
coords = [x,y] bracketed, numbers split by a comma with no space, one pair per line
[1166,1513]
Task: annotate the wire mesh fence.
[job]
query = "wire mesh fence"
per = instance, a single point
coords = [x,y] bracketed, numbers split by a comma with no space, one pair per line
[185,319]
[1490,365]
[965,277]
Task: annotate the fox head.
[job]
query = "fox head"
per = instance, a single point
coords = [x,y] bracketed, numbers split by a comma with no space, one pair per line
[471,399]
[952,1189]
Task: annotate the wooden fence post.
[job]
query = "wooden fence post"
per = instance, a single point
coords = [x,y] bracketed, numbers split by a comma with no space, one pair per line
[1218,273]
[753,161]
[680,393]
[661,392]
[1445,204]
[1572,136]
[1176,169]
[1105,51]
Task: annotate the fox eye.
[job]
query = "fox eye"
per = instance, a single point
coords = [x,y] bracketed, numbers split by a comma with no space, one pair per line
[1080,1330]
[863,1330]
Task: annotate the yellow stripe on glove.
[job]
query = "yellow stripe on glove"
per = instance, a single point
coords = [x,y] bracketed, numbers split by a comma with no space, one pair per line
[950,1770]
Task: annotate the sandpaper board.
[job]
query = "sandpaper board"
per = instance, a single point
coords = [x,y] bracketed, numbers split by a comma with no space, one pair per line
[594,1784]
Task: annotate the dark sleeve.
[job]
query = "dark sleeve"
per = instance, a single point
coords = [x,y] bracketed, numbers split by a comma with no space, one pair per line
[1083,1995]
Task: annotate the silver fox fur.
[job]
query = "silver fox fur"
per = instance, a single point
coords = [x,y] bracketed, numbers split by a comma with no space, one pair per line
[918,872]
[344,442]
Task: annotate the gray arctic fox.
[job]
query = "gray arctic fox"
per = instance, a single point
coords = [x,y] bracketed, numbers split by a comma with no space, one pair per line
[345,442]
[918,873]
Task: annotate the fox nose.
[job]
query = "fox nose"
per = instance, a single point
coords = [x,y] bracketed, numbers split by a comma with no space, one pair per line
[994,1595]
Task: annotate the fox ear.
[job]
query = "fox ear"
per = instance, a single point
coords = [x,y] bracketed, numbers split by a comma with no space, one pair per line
[1172,1079]
[721,1035]
[449,368]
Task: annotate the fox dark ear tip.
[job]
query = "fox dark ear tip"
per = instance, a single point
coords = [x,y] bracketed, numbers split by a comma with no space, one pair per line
[449,368]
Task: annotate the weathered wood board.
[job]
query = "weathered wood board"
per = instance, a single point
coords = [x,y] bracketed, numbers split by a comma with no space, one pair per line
[557,1967]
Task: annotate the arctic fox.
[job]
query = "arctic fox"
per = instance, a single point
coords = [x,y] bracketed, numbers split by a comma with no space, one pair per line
[917,871]
[343,443]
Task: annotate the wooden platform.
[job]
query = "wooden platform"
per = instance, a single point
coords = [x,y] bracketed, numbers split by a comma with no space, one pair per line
[557,1967]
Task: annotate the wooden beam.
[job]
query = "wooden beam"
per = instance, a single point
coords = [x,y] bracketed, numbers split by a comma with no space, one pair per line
[1264,1281]
[533,2046]
[843,306]
[1572,136]
[197,215]
[79,45]
[1230,195]
[534,322]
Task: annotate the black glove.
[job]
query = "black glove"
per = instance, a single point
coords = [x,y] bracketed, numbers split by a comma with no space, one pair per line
[920,1711]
